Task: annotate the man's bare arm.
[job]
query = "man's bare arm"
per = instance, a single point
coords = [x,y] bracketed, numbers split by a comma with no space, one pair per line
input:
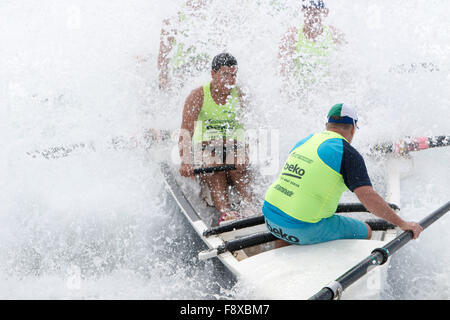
[165,46]
[192,107]
[287,50]
[338,36]
[373,202]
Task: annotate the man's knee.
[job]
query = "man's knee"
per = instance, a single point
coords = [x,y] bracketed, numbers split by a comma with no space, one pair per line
[369,231]
[217,181]
[216,176]
[239,176]
[280,244]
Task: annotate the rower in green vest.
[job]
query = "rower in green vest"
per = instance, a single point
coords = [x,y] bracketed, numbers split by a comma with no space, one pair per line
[305,51]
[180,53]
[212,133]
[300,205]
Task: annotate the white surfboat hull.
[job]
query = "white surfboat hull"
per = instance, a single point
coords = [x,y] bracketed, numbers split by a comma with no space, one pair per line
[292,272]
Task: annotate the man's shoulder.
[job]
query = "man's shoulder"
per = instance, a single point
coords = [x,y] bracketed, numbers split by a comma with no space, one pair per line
[349,149]
[195,96]
[294,29]
[354,168]
[301,142]
[197,91]
[291,33]
[336,151]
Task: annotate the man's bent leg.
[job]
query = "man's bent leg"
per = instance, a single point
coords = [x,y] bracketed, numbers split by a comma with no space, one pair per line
[339,227]
[241,180]
[217,183]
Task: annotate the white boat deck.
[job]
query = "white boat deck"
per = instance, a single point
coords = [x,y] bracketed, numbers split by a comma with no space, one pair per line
[298,272]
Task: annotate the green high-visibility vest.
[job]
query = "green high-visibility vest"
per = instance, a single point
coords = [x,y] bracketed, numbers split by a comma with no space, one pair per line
[186,57]
[307,188]
[312,56]
[218,121]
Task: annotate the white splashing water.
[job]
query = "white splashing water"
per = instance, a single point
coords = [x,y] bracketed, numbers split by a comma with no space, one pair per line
[99,224]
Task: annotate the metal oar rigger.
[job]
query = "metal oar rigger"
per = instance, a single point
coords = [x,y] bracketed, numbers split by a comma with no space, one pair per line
[238,244]
[378,257]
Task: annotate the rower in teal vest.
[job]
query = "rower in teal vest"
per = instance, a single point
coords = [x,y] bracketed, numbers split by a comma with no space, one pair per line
[300,205]
[305,51]
[212,133]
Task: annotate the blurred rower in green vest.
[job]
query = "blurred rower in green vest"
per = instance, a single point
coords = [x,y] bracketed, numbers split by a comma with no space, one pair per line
[183,46]
[305,50]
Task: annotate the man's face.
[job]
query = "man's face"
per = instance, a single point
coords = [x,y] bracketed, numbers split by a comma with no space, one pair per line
[352,134]
[225,77]
[314,16]
[196,4]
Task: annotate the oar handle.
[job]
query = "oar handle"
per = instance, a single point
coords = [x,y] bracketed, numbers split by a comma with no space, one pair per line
[225,167]
[358,207]
[257,220]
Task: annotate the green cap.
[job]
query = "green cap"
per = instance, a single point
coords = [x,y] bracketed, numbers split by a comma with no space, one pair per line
[343,113]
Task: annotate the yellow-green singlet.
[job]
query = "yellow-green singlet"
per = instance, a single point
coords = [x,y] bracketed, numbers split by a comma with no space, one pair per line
[218,121]
[308,189]
[312,56]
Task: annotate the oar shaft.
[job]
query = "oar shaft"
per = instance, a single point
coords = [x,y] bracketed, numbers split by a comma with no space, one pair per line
[150,137]
[249,241]
[412,144]
[378,257]
[406,236]
[257,220]
[235,225]
[439,141]
[427,221]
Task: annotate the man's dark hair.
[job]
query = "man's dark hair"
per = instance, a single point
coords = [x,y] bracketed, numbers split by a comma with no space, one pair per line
[223,59]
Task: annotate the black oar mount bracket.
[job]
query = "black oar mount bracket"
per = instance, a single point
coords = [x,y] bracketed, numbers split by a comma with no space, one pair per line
[384,253]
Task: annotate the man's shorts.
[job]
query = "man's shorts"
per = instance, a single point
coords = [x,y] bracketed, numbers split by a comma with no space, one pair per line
[295,231]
